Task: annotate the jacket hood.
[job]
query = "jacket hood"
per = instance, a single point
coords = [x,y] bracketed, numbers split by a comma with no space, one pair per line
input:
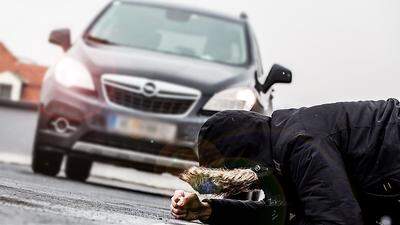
[234,139]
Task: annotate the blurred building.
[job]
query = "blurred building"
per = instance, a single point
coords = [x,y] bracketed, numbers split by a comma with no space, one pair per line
[19,80]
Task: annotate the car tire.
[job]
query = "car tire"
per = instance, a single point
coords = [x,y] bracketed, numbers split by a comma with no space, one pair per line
[46,162]
[78,169]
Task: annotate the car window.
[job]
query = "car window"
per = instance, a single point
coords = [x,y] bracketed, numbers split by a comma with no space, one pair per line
[172,31]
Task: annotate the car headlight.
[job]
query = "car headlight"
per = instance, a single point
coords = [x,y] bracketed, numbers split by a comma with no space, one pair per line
[242,98]
[71,73]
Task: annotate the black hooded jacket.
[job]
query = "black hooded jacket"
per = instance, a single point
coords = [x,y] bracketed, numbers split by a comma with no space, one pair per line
[337,163]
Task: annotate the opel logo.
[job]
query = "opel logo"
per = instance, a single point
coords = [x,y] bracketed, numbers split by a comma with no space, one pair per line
[149,89]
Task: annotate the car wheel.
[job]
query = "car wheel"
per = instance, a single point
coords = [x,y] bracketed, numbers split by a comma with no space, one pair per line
[78,169]
[45,162]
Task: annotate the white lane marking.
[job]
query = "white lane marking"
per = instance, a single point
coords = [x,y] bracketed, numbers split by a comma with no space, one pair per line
[14,158]
[166,182]
[163,181]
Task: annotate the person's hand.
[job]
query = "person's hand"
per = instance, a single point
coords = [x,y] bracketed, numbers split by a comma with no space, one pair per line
[187,206]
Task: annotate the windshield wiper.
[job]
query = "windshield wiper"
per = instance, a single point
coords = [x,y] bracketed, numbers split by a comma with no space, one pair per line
[100,40]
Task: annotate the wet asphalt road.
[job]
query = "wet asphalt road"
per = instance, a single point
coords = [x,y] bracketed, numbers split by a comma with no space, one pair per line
[27,198]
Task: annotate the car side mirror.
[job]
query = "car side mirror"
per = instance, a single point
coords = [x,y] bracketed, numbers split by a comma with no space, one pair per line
[277,74]
[61,37]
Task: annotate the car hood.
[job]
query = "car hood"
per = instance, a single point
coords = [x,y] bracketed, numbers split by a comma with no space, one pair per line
[207,77]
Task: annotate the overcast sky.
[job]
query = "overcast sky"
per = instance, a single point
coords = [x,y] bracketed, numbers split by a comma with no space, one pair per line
[338,50]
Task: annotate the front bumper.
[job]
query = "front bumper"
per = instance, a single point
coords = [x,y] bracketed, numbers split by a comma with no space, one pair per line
[92,138]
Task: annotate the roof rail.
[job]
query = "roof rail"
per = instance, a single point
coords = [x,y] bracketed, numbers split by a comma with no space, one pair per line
[244,16]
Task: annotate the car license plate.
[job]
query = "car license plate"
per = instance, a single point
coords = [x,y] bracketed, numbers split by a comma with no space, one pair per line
[151,130]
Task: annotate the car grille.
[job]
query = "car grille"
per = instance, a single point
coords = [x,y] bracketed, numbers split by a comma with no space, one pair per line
[140,102]
[148,95]
[150,147]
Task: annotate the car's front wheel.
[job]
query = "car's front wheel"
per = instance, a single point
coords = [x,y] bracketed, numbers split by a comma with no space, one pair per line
[78,169]
[45,162]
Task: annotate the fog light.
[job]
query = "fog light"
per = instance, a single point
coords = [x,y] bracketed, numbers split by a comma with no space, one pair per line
[62,125]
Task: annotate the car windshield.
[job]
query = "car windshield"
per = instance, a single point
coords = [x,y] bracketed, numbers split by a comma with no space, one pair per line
[172,31]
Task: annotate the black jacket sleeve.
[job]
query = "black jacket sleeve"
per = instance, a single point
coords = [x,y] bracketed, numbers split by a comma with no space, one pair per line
[236,212]
[318,172]
[322,186]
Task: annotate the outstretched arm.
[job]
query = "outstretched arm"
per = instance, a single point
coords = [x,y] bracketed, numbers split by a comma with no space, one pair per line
[236,212]
[187,206]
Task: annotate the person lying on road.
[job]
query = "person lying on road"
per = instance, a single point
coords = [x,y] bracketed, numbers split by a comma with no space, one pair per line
[333,164]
